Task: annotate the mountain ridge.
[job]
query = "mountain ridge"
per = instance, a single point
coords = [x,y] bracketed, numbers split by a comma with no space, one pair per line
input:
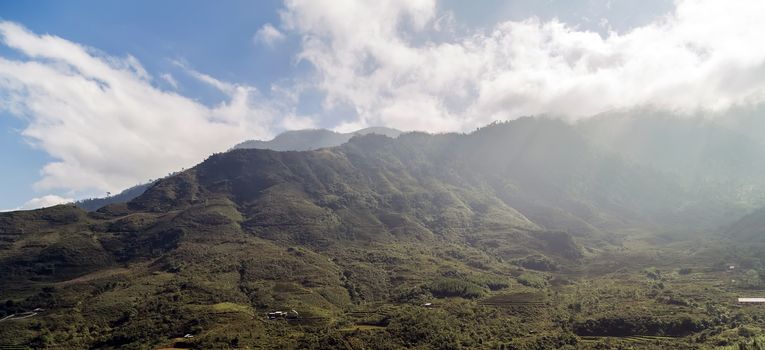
[311,139]
[296,140]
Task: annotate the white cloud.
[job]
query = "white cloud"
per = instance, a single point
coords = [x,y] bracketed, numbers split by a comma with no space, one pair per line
[223,86]
[168,78]
[45,201]
[42,202]
[106,125]
[268,35]
[294,122]
[391,62]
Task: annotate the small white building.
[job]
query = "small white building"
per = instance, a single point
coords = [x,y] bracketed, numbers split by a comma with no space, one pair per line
[283,314]
[751,300]
[276,314]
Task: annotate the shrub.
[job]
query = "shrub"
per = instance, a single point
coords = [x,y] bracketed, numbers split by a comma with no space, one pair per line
[653,274]
[537,262]
[436,329]
[452,287]
[532,280]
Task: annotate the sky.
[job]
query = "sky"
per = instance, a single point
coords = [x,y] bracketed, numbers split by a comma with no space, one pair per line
[97,96]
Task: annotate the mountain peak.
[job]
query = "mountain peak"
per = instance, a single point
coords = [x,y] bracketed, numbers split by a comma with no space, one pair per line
[311,139]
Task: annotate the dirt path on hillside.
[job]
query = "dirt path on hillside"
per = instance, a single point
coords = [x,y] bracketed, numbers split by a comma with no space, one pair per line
[94,276]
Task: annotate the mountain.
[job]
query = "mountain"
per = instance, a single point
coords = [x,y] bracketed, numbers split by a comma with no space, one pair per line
[519,235]
[296,140]
[311,139]
[750,229]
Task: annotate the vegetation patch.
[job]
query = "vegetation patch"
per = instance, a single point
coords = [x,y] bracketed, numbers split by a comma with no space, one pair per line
[532,280]
[638,325]
[453,287]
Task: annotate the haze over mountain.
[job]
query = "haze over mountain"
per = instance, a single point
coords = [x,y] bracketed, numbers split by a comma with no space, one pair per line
[699,155]
[705,154]
[751,228]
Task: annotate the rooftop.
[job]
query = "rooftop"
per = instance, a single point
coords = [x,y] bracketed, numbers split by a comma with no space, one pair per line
[751,300]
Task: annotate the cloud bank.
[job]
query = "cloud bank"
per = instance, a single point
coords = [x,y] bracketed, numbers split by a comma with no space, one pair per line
[399,64]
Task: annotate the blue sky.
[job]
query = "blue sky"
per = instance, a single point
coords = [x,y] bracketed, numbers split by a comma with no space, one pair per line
[96,96]
[215,39]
